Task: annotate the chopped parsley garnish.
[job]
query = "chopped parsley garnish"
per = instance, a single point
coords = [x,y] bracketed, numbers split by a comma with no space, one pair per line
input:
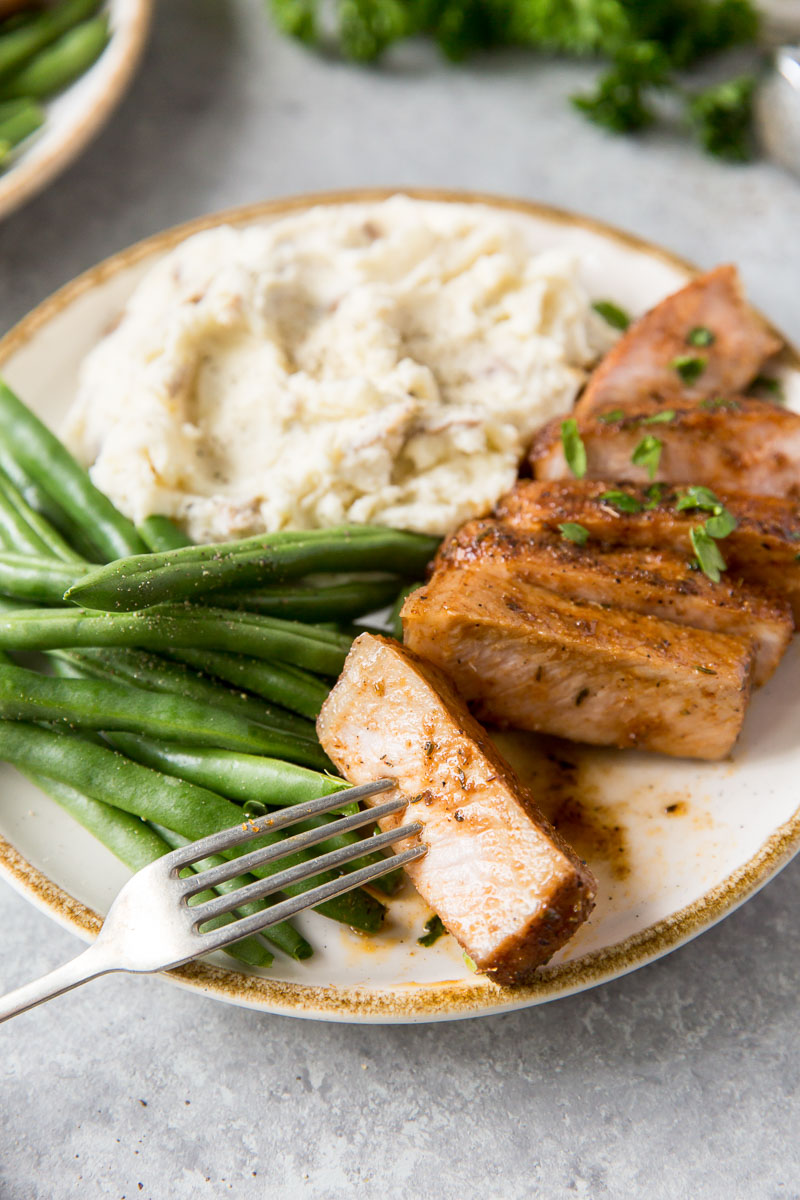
[574,449]
[689,366]
[578,534]
[767,383]
[615,316]
[648,454]
[708,555]
[655,494]
[698,497]
[721,524]
[614,414]
[434,929]
[701,335]
[660,418]
[622,501]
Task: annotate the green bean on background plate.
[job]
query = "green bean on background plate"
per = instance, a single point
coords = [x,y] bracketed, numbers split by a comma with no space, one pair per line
[21,44]
[141,581]
[49,464]
[174,803]
[172,627]
[57,65]
[156,674]
[18,120]
[26,695]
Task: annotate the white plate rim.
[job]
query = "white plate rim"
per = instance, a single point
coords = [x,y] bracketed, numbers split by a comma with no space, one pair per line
[448,999]
[30,174]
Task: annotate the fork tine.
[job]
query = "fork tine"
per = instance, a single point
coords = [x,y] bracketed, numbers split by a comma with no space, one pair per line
[226,839]
[216,939]
[298,873]
[287,846]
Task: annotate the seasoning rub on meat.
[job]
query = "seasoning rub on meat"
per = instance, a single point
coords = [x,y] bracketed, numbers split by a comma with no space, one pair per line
[762,549]
[526,657]
[656,583]
[502,880]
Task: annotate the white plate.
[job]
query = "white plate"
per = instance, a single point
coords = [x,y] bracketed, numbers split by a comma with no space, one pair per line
[676,845]
[79,112]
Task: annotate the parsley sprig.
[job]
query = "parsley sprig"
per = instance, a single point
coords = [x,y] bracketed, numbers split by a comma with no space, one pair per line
[574,449]
[704,537]
[648,454]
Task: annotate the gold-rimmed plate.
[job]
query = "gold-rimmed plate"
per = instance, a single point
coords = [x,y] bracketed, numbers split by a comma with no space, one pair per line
[676,845]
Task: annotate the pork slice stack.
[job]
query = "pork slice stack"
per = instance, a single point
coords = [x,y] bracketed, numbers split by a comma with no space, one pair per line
[582,607]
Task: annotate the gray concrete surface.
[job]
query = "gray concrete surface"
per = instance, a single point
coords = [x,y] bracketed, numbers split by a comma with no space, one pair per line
[678,1081]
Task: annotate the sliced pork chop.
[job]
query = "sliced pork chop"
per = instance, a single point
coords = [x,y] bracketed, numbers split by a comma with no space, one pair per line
[525,657]
[656,583]
[504,883]
[734,444]
[640,365]
[763,550]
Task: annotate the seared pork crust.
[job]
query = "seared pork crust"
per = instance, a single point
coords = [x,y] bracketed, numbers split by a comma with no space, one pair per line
[503,881]
[656,583]
[733,444]
[641,366]
[763,549]
[525,657]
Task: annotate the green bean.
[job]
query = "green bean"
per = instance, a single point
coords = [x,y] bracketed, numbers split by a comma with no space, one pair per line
[58,64]
[395,621]
[144,580]
[246,777]
[41,529]
[156,674]
[20,45]
[298,690]
[283,935]
[135,844]
[240,777]
[303,602]
[172,627]
[52,467]
[183,807]
[73,536]
[94,704]
[18,532]
[161,533]
[32,577]
[16,126]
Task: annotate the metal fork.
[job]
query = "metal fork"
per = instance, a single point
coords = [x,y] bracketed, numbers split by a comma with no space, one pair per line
[151,926]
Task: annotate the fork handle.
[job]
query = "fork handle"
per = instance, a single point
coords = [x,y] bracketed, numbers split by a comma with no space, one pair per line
[88,965]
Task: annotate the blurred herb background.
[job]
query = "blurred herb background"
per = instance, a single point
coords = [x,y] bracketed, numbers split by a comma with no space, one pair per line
[650,48]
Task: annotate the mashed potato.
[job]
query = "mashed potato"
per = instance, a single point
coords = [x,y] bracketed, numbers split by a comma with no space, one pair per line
[385,362]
